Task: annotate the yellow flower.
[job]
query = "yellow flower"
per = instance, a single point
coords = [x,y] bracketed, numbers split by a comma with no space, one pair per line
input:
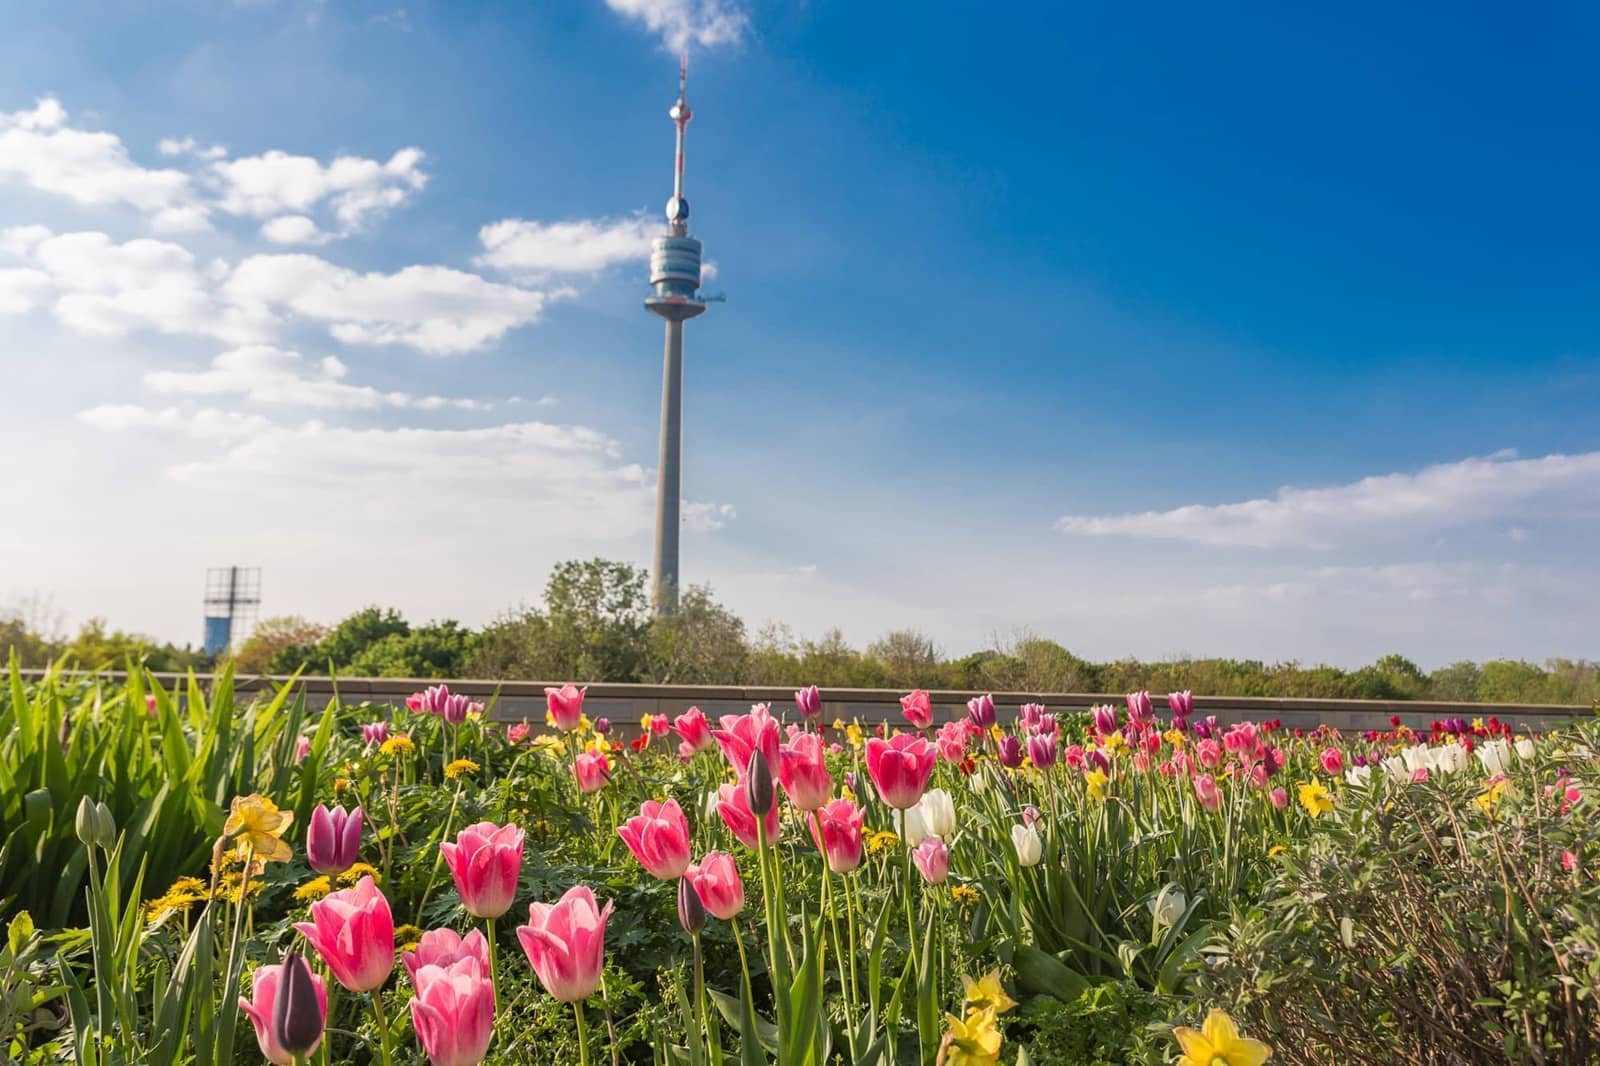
[838,723]
[1490,798]
[1173,737]
[852,733]
[964,894]
[881,842]
[1218,1043]
[551,745]
[986,991]
[407,934]
[357,872]
[847,793]
[314,889]
[1477,724]
[1114,742]
[1276,850]
[995,733]
[602,745]
[340,784]
[1097,784]
[1315,799]
[398,745]
[973,1041]
[461,767]
[258,825]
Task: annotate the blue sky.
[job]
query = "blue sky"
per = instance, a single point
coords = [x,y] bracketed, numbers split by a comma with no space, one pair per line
[1153,331]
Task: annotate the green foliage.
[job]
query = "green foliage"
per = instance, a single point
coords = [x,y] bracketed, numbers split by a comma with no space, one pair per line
[1108,1024]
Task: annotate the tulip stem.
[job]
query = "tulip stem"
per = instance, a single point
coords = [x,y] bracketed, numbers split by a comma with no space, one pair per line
[438,857]
[383,1027]
[494,965]
[583,1033]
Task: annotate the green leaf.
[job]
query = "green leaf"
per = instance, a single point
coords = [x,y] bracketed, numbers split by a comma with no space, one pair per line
[1047,975]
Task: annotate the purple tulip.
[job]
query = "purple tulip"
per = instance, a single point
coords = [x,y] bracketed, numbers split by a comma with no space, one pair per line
[1182,706]
[1010,751]
[808,701]
[1205,727]
[1096,760]
[1105,719]
[981,710]
[1030,715]
[333,840]
[374,733]
[1140,708]
[1042,750]
[602,725]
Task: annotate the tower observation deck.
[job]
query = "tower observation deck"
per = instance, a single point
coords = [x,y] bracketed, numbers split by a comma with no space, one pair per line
[675,278]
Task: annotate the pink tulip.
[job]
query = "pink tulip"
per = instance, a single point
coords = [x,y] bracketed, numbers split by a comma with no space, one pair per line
[485,861]
[260,1006]
[565,705]
[933,859]
[1042,750]
[1259,776]
[302,748]
[716,879]
[1332,761]
[1208,753]
[1104,719]
[593,771]
[733,805]
[951,740]
[1074,756]
[1569,862]
[1029,715]
[446,947]
[374,733]
[1205,788]
[566,943]
[900,768]
[518,733]
[453,1013]
[658,836]
[804,772]
[1280,798]
[808,701]
[353,931]
[691,726]
[917,708]
[836,828]
[742,734]
[333,839]
[1140,708]
[1182,706]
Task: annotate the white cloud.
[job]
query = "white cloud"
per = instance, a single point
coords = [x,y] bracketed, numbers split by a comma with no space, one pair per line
[22,240]
[293,229]
[204,424]
[538,249]
[357,190]
[274,376]
[431,308]
[21,290]
[170,146]
[707,517]
[92,168]
[679,23]
[1443,496]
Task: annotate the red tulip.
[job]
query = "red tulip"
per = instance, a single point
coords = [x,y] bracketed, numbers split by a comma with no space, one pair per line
[565,705]
[716,879]
[485,861]
[262,1004]
[836,828]
[566,943]
[804,772]
[917,708]
[353,931]
[733,804]
[658,836]
[900,768]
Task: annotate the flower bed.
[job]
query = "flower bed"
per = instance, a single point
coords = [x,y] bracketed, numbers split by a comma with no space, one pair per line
[418,884]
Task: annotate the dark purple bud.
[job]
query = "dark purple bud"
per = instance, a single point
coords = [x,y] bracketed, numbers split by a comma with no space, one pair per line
[297,1014]
[758,782]
[602,726]
[691,911]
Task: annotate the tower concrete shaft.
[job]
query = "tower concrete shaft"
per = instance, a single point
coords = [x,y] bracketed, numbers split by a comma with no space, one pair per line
[669,481]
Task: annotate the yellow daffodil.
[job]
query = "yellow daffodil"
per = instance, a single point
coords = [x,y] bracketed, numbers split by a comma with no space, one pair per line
[986,991]
[1218,1043]
[838,723]
[852,733]
[1489,798]
[1114,742]
[461,768]
[995,733]
[314,889]
[1096,782]
[398,745]
[1315,799]
[258,826]
[1173,737]
[971,1041]
[551,745]
[644,722]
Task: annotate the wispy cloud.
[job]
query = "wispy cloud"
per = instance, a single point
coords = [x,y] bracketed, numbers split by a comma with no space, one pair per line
[680,23]
[580,246]
[270,375]
[1443,496]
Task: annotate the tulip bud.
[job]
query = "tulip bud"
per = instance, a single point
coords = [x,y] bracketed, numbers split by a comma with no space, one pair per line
[105,826]
[758,781]
[297,1016]
[691,911]
[84,823]
[602,725]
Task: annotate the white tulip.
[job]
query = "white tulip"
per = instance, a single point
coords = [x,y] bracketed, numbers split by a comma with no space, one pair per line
[1451,759]
[1359,776]
[1524,748]
[1417,757]
[1495,756]
[1168,906]
[938,813]
[1030,849]
[1397,769]
[913,830]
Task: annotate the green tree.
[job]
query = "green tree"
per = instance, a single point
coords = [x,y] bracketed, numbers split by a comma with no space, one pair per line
[701,643]
[273,636]
[436,650]
[909,659]
[1457,682]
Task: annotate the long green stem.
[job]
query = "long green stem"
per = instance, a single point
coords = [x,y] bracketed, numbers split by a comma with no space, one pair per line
[438,855]
[583,1034]
[383,1027]
[494,965]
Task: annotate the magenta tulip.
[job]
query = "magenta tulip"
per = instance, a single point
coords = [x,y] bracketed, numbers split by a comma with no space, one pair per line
[808,701]
[900,768]
[716,879]
[565,706]
[446,947]
[374,733]
[1182,706]
[917,708]
[1030,715]
[333,839]
[742,734]
[485,861]
[693,731]
[733,805]
[658,836]
[353,931]
[1009,751]
[836,828]
[980,709]
[1104,719]
[593,771]
[453,1012]
[1140,709]
[933,859]
[262,1005]
[804,772]
[1042,751]
[566,943]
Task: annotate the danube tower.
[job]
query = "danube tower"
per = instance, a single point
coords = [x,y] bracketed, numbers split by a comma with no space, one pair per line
[675,275]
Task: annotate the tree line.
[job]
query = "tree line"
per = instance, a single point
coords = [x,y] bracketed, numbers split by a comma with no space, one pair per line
[594,623]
